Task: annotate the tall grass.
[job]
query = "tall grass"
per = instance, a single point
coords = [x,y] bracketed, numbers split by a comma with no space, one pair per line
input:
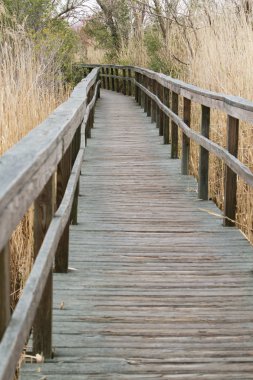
[222,62]
[215,53]
[30,89]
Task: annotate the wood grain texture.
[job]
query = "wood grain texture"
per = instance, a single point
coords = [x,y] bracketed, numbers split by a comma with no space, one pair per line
[235,106]
[204,155]
[230,182]
[42,325]
[38,288]
[231,161]
[19,328]
[174,126]
[5,308]
[185,140]
[38,156]
[158,287]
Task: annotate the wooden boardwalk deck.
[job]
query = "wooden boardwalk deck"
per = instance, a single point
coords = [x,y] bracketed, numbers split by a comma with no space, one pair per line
[159,289]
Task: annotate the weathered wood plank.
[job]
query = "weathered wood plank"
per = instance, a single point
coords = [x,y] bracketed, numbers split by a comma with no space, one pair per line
[38,156]
[230,183]
[42,325]
[185,139]
[23,316]
[204,155]
[158,288]
[5,309]
[174,127]
[233,163]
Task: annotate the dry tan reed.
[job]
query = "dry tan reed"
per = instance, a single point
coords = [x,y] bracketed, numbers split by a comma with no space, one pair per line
[29,91]
[223,62]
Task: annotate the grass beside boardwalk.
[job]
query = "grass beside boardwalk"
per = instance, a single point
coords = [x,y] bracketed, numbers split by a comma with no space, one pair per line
[31,87]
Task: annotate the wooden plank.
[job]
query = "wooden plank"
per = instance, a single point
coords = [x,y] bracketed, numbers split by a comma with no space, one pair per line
[204,155]
[38,156]
[230,183]
[22,318]
[158,288]
[5,308]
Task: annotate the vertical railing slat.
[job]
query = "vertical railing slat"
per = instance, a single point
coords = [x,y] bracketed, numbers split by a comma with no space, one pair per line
[117,79]
[107,78]
[129,82]
[204,155]
[166,120]
[174,127]
[153,104]
[230,183]
[63,173]
[124,81]
[42,327]
[161,97]
[185,139]
[112,79]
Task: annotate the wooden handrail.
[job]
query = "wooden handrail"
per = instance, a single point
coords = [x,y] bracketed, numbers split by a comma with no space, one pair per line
[158,95]
[37,157]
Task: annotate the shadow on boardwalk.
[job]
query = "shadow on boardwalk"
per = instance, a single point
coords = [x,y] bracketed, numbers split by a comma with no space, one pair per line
[159,289]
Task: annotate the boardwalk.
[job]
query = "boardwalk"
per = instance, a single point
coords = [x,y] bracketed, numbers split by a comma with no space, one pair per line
[158,288]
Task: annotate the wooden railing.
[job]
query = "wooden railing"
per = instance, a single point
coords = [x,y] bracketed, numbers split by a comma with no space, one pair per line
[159,95]
[42,169]
[45,166]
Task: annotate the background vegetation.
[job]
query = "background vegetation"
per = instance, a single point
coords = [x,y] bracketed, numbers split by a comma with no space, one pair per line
[205,42]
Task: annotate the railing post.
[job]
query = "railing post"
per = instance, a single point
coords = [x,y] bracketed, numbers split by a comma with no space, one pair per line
[185,139]
[136,89]
[153,105]
[103,77]
[230,183]
[142,92]
[161,115]
[107,78]
[145,84]
[129,82]
[112,79]
[124,81]
[75,149]
[63,173]
[117,79]
[4,290]
[148,98]
[174,127]
[204,155]
[42,327]
[166,119]
[157,108]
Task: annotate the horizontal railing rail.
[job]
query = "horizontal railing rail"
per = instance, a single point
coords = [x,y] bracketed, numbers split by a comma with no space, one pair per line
[42,169]
[159,95]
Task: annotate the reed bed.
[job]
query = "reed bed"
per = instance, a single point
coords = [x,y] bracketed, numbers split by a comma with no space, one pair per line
[31,87]
[222,62]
